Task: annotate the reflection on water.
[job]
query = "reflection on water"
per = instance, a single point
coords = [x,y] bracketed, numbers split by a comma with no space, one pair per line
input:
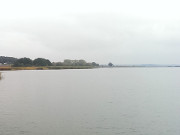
[123,101]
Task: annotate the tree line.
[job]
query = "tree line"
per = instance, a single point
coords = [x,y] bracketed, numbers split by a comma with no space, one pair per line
[27,62]
[68,62]
[7,60]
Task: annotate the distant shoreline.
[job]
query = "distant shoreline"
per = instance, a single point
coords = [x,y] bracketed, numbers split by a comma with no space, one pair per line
[9,68]
[137,66]
[44,68]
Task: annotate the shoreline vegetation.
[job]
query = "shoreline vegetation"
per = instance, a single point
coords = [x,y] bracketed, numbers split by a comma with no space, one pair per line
[45,68]
[10,63]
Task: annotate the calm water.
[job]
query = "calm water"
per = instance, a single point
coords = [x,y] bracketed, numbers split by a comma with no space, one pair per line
[121,101]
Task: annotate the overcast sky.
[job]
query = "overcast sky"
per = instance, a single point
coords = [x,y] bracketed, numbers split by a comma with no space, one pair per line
[117,31]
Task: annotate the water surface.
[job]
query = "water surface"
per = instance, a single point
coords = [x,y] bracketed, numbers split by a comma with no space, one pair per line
[115,101]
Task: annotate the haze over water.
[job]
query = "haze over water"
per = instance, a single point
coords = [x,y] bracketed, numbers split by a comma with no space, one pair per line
[112,101]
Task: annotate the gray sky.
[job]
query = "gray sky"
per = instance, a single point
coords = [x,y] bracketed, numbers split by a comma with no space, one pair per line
[117,31]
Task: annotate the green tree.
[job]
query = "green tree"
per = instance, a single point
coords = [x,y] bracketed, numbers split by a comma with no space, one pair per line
[59,64]
[110,64]
[23,62]
[67,62]
[82,62]
[7,60]
[42,62]
[95,64]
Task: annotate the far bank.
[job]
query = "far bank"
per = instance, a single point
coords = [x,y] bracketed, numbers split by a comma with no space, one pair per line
[45,68]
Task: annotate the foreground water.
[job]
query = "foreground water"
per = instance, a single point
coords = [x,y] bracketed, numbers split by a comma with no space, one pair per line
[117,101]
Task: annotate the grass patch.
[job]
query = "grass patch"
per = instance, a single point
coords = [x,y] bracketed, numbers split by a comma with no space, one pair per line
[5,68]
[29,68]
